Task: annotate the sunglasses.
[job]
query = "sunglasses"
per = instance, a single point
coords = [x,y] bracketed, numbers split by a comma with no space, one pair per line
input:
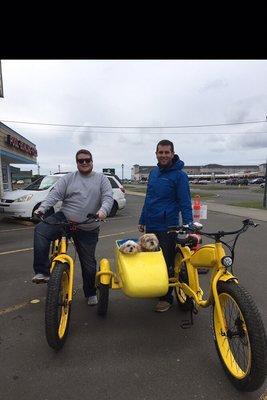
[84,160]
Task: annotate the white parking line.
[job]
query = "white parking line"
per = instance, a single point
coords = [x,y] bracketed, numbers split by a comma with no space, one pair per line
[31,248]
[15,251]
[15,229]
[18,306]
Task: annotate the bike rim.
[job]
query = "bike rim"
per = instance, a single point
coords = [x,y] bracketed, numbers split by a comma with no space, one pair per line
[235,346]
[63,305]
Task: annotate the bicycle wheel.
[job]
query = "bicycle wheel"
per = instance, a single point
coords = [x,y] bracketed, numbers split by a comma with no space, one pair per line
[57,307]
[243,351]
[185,303]
[103,298]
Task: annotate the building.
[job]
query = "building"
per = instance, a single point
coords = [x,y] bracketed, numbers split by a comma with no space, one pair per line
[14,149]
[210,171]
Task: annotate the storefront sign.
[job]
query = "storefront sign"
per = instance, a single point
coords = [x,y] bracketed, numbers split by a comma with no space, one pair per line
[18,144]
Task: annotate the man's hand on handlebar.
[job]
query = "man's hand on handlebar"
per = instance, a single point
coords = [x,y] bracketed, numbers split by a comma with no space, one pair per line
[141,228]
[101,215]
[38,214]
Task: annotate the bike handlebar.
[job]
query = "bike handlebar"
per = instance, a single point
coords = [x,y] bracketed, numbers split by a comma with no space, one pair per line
[90,218]
[217,235]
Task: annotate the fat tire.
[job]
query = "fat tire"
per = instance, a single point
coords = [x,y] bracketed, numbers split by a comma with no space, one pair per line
[51,307]
[103,299]
[255,377]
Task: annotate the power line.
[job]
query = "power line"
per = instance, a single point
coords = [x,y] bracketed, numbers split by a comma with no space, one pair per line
[136,127]
[165,133]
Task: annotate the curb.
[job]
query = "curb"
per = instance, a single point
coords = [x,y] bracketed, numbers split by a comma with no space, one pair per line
[253,213]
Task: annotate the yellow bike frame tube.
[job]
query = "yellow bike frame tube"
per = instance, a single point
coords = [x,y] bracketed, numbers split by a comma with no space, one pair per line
[63,245]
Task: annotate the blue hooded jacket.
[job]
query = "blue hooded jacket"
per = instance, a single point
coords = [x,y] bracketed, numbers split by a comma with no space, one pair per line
[167,194]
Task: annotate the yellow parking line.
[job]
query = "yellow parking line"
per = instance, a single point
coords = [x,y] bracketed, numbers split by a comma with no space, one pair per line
[13,308]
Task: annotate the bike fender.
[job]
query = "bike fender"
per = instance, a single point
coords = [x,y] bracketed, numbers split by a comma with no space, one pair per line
[64,258]
[105,272]
[227,276]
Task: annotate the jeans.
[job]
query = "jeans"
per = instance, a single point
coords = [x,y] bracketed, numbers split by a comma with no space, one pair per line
[167,245]
[85,243]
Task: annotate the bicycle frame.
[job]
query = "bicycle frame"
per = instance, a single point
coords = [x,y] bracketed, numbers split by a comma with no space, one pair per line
[208,256]
[59,253]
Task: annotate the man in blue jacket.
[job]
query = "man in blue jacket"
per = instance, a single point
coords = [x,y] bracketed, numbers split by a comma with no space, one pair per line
[167,195]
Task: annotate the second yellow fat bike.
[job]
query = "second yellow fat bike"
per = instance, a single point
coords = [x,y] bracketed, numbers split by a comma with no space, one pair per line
[238,330]
[237,326]
[60,286]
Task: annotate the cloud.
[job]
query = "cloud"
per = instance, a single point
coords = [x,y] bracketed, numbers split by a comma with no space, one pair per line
[251,142]
[83,136]
[213,85]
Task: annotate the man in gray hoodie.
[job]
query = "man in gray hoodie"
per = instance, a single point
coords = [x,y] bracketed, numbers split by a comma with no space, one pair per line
[82,192]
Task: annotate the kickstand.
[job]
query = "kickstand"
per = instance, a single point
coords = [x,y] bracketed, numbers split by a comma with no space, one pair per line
[202,270]
[187,323]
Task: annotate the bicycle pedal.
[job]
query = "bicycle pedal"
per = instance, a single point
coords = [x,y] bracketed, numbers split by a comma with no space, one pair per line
[186,324]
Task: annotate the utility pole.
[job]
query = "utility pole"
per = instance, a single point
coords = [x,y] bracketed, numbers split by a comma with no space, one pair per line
[59,168]
[38,168]
[1,82]
[265,188]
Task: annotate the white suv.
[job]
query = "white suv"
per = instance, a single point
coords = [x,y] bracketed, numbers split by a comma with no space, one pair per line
[22,203]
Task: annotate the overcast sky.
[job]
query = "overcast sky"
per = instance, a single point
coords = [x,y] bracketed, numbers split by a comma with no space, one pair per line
[137,93]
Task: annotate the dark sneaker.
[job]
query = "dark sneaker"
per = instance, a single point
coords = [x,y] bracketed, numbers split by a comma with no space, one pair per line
[162,306]
[40,278]
[92,301]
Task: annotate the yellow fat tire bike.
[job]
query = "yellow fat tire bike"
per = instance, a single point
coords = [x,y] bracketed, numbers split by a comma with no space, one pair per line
[60,286]
[238,330]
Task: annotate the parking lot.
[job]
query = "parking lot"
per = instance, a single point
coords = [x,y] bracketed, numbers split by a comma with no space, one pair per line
[133,353]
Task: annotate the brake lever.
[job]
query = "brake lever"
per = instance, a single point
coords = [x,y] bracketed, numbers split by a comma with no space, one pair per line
[250,222]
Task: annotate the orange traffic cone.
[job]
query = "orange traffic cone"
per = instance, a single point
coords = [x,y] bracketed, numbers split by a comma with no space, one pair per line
[196,208]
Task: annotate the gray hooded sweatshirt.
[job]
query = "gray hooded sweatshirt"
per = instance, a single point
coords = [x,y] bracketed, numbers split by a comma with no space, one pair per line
[81,195]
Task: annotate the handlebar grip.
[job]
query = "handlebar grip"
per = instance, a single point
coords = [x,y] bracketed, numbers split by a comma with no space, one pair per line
[190,241]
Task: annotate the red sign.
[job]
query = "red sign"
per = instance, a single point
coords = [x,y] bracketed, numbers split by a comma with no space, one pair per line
[18,144]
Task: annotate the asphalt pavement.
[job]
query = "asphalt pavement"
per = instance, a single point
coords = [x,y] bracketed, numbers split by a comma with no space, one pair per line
[133,353]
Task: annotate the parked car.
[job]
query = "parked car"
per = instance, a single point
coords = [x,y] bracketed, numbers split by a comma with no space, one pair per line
[200,181]
[118,194]
[22,203]
[257,181]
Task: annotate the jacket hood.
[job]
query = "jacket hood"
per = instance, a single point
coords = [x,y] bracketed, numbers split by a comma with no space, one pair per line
[176,164]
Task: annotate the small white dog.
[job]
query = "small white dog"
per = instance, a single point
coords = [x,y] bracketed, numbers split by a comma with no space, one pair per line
[149,242]
[130,247]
